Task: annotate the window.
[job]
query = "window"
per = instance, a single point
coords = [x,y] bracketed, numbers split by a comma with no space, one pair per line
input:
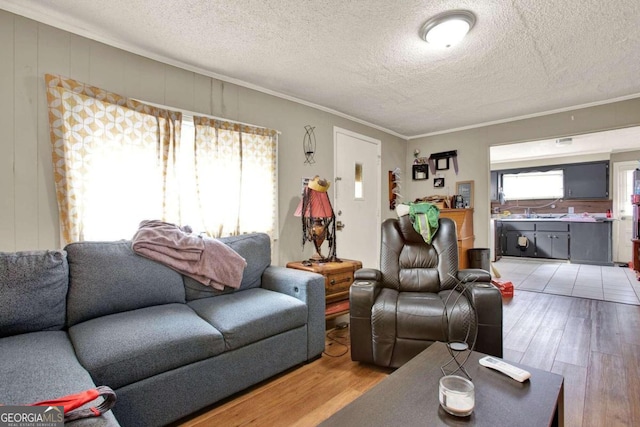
[358,191]
[118,161]
[533,185]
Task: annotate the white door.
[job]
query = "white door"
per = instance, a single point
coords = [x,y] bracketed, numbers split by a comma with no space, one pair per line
[357,193]
[622,229]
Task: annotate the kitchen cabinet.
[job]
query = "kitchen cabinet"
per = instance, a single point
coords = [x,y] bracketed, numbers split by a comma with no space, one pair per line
[513,231]
[591,243]
[498,240]
[586,180]
[494,186]
[576,241]
[552,240]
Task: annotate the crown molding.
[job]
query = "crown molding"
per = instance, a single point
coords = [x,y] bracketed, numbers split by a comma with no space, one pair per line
[63,22]
[74,26]
[528,116]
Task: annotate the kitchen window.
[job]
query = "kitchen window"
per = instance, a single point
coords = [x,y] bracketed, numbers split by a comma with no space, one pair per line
[533,185]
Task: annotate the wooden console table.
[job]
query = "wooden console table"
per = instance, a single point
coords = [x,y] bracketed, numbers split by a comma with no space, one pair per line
[338,277]
[464,228]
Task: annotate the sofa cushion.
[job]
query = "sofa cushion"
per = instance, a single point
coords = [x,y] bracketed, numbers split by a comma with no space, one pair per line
[33,291]
[419,316]
[248,316]
[108,277]
[255,248]
[43,366]
[40,366]
[123,348]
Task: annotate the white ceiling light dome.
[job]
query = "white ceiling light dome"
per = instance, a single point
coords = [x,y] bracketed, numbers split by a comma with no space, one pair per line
[448,28]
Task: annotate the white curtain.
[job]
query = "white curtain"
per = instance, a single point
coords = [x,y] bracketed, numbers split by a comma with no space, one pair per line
[113,161]
[235,175]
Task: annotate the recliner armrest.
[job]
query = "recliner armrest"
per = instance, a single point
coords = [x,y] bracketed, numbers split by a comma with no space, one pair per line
[474,275]
[368,274]
[488,303]
[362,296]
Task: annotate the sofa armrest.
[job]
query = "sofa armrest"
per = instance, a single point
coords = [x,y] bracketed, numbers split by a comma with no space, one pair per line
[307,287]
[362,296]
[488,303]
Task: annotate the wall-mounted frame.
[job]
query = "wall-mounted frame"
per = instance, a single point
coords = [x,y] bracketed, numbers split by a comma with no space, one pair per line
[438,182]
[465,189]
[420,172]
[442,164]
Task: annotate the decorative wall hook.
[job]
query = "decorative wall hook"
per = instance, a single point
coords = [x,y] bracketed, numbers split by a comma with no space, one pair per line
[394,187]
[309,144]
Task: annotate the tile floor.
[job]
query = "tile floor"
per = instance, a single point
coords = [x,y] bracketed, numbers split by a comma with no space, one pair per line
[616,284]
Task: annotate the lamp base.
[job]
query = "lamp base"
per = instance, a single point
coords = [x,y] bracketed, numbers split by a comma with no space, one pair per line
[319,259]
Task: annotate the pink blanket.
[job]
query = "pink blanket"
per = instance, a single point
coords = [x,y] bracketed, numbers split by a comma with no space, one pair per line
[206,260]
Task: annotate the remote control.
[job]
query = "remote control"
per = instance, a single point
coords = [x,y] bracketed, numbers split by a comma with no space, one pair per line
[516,373]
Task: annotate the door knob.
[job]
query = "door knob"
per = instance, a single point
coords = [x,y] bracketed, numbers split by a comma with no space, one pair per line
[339,225]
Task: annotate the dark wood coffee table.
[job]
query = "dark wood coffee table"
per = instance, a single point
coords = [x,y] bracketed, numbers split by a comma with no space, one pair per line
[409,397]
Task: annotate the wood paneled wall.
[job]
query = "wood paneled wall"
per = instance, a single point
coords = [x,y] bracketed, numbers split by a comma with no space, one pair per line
[28,50]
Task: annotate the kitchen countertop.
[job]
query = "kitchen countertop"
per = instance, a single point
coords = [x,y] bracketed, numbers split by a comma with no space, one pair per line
[557,219]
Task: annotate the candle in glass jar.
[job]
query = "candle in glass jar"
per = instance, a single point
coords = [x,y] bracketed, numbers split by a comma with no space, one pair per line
[457,395]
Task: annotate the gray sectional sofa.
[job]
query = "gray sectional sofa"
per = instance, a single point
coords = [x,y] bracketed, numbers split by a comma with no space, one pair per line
[98,314]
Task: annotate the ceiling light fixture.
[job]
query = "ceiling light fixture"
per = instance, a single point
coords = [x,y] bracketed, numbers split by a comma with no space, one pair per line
[448,28]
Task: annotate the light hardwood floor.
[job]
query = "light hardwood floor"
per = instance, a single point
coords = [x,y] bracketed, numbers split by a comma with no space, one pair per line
[595,345]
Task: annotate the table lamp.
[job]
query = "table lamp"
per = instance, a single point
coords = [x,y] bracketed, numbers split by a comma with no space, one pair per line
[318,219]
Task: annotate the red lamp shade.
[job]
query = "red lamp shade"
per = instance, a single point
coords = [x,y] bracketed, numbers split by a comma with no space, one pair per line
[318,205]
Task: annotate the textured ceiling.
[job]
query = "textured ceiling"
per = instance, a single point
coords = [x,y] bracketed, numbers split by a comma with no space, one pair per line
[364,58]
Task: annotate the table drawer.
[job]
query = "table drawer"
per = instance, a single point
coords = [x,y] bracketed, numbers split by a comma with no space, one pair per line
[338,282]
[552,226]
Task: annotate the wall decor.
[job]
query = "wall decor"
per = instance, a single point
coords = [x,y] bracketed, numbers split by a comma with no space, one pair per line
[438,182]
[465,189]
[309,144]
[440,161]
[420,171]
[442,164]
[394,187]
[305,183]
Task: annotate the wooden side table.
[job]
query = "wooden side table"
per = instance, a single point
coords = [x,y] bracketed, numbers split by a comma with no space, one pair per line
[636,257]
[338,277]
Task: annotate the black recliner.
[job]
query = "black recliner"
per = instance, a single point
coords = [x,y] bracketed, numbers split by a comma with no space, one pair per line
[397,311]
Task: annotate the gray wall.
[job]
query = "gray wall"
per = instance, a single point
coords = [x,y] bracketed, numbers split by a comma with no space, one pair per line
[28,209]
[28,50]
[473,148]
